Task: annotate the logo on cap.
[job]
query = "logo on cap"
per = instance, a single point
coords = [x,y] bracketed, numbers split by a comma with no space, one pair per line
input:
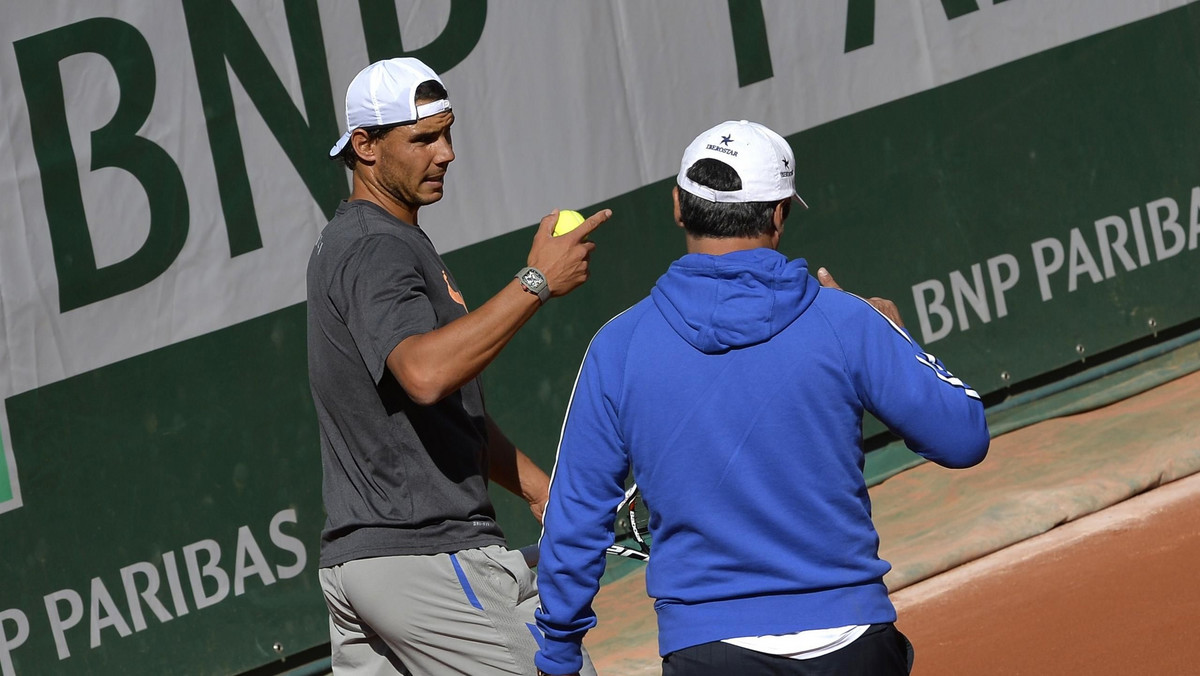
[721,149]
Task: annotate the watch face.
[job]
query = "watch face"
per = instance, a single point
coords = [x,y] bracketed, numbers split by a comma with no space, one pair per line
[533,279]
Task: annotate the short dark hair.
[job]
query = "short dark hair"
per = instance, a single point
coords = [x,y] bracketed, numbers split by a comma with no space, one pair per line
[702,218]
[429,90]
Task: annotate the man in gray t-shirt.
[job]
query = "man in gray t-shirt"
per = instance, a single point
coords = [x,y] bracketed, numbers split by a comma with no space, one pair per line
[413,564]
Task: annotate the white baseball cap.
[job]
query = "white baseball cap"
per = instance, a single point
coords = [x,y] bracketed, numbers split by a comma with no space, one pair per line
[762,159]
[383,93]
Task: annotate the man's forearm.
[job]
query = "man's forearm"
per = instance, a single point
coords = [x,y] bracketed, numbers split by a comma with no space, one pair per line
[429,366]
[515,471]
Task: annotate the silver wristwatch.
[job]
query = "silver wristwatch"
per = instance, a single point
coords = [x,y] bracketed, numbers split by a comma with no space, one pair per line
[534,282]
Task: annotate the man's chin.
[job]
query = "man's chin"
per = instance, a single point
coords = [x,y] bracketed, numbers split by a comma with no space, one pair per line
[431,196]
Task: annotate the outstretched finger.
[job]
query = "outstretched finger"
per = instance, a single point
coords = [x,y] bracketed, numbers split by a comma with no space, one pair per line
[826,279]
[589,225]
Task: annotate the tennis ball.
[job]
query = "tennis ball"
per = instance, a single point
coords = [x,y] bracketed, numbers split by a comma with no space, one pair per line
[567,221]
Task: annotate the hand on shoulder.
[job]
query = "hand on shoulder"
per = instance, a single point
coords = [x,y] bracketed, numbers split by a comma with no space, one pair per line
[886,307]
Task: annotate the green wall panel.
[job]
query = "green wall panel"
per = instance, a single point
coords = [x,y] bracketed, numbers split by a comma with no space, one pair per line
[989,165]
[147,457]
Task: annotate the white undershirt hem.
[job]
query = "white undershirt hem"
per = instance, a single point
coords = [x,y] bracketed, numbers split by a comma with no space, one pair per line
[803,645]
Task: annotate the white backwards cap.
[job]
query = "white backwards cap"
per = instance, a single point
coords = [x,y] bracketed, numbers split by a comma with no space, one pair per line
[762,159]
[384,92]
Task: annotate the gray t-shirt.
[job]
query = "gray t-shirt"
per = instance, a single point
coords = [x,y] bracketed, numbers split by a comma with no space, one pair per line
[399,478]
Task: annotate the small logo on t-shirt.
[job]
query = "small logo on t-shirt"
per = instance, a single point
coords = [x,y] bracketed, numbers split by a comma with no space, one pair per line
[454,294]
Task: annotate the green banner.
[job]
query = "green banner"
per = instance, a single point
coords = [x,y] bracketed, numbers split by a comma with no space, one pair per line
[172,510]
[1050,207]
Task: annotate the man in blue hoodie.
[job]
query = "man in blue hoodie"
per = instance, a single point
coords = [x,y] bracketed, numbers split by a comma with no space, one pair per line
[735,392]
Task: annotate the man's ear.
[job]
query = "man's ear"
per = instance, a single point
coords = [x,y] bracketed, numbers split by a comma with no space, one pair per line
[782,209]
[363,145]
[675,200]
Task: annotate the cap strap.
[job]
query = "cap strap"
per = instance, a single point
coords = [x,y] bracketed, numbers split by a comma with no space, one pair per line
[433,108]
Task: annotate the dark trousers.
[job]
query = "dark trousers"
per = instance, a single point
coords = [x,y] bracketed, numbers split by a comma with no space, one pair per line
[881,651]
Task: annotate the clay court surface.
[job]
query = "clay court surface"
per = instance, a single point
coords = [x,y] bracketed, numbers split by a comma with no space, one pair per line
[1113,593]
[1071,550]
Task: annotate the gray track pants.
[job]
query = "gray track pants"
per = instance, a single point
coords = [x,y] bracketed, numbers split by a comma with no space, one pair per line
[465,613]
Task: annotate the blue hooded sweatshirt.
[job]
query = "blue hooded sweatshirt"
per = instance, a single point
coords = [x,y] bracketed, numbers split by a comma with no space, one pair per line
[735,393]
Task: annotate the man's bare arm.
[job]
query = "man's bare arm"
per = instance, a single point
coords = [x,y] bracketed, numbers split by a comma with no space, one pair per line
[513,470]
[431,365]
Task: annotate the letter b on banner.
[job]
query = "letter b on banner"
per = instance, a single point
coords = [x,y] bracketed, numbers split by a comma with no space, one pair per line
[117,144]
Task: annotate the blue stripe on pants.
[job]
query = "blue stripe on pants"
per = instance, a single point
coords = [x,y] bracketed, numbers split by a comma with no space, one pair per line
[462,579]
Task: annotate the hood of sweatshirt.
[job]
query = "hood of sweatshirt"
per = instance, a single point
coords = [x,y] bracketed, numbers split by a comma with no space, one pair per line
[717,303]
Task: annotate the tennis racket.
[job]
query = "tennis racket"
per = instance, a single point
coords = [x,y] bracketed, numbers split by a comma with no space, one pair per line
[633,522]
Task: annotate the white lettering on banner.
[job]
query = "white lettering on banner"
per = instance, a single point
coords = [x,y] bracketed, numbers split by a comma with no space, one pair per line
[1049,255]
[973,293]
[1000,284]
[177,596]
[1139,236]
[206,565]
[1045,268]
[935,305]
[1194,230]
[1170,224]
[1108,247]
[288,544]
[111,618]
[149,595]
[1081,262]
[246,546]
[59,625]
[10,643]
[210,570]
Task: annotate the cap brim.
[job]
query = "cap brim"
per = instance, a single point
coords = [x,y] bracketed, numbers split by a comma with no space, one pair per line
[337,147]
[798,198]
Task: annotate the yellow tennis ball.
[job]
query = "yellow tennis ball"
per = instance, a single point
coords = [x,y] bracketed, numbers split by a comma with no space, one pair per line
[567,221]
